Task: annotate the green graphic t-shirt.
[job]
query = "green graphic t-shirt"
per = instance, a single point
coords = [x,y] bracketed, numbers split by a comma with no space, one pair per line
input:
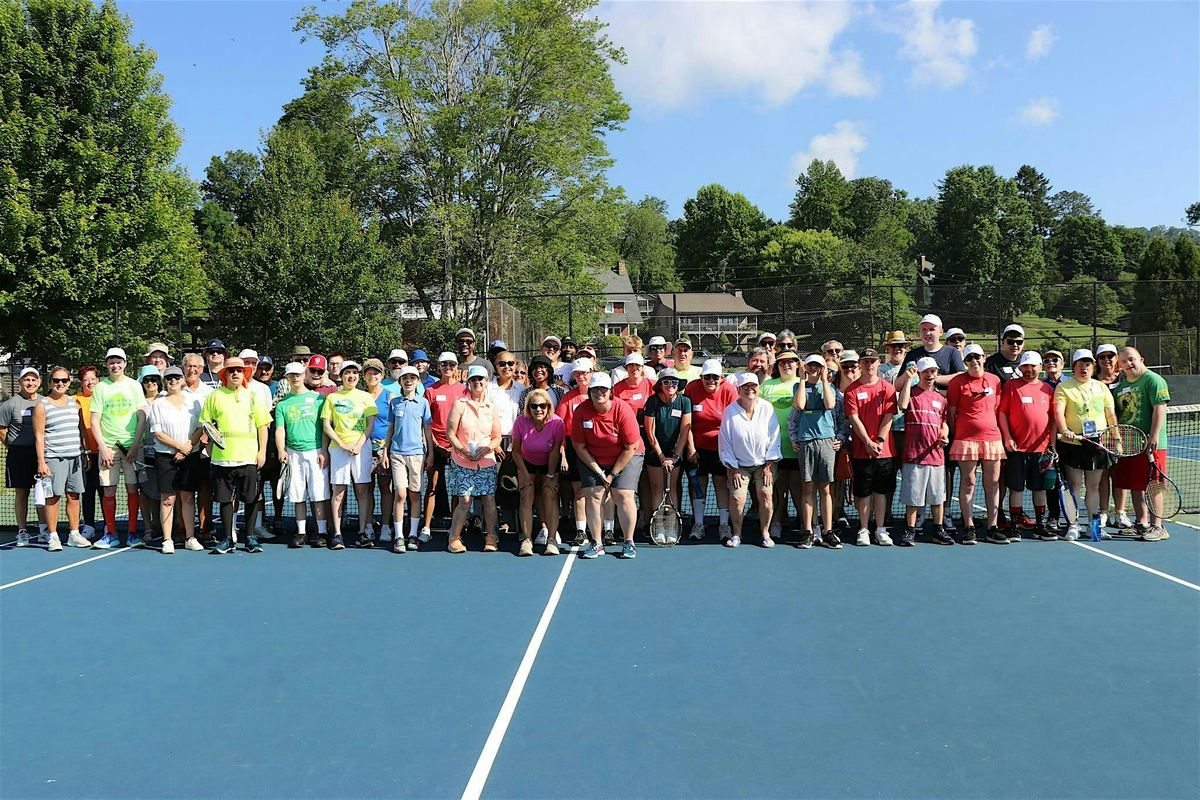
[300,417]
[348,411]
[779,394]
[117,404]
[1135,402]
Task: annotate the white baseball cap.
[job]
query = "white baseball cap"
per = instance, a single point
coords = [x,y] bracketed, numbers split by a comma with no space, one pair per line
[600,380]
[115,352]
[849,355]
[766,336]
[972,350]
[932,319]
[583,365]
[30,371]
[409,369]
[467,331]
[1106,348]
[552,338]
[950,334]
[398,353]
[657,341]
[1014,328]
[248,355]
[746,378]
[634,358]
[1080,354]
[1030,357]
[474,372]
[447,356]
[815,359]
[926,362]
[711,366]
[293,368]
[351,365]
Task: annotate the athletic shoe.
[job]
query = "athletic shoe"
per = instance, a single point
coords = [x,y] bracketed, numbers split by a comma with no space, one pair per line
[768,542]
[1104,534]
[385,533]
[134,541]
[1156,533]
[321,541]
[365,541]
[76,539]
[628,549]
[105,542]
[1103,519]
[252,545]
[221,548]
[968,535]
[54,544]
[806,540]
[609,538]
[456,546]
[909,537]
[336,543]
[424,535]
[725,531]
[88,531]
[262,533]
[551,548]
[398,545]
[1072,533]
[733,541]
[297,541]
[1014,536]
[1002,522]
[1047,534]
[43,534]
[1053,524]
[542,536]
[581,538]
[831,540]
[414,543]
[996,536]
[168,547]
[697,531]
[193,544]
[1027,523]
[1123,520]
[525,548]
[950,523]
[942,536]
[776,530]
[592,550]
[864,538]
[882,538]
[23,538]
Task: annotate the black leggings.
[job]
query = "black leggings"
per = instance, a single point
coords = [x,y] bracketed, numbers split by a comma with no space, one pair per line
[91,487]
[229,515]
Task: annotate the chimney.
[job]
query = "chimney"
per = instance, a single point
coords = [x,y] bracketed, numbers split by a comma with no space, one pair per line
[737,293]
[621,269]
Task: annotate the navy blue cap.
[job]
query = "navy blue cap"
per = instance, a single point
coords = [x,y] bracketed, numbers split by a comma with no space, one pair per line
[215,344]
[266,360]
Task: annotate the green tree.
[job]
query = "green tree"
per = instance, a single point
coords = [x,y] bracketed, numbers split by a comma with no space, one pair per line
[920,220]
[1133,245]
[1187,268]
[716,239]
[1087,246]
[1157,306]
[488,121]
[1072,204]
[1034,188]
[1082,294]
[821,199]
[647,246]
[96,238]
[1193,214]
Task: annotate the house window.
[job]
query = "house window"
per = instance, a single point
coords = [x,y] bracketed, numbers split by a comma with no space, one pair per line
[614,308]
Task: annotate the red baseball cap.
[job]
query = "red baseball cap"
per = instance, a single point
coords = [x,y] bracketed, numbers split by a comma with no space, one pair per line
[318,362]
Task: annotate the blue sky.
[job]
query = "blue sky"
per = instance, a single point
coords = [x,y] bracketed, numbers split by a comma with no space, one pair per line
[1103,98]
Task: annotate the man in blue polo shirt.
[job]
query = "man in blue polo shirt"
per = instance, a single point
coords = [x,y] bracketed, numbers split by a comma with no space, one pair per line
[408,453]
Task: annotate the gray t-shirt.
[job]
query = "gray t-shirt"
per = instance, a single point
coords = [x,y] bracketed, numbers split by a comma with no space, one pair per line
[478,362]
[16,414]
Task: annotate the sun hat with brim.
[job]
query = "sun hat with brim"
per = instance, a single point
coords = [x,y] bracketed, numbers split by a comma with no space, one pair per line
[747,378]
[926,362]
[787,355]
[849,355]
[249,355]
[1053,353]
[815,359]
[465,332]
[418,356]
[477,372]
[1082,354]
[301,350]
[600,380]
[371,363]
[409,370]
[216,344]
[766,337]
[657,341]
[712,366]
[293,368]
[115,352]
[173,372]
[666,374]
[157,347]
[1014,328]
[149,371]
[972,350]
[1030,357]
[582,365]
[236,363]
[30,371]
[869,354]
[542,361]
[896,337]
[552,338]
[683,340]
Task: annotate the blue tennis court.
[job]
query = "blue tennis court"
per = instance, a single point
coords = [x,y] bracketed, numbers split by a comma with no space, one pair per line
[1046,669]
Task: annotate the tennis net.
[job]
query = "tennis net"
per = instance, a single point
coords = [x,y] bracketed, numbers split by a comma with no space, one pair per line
[1183,453]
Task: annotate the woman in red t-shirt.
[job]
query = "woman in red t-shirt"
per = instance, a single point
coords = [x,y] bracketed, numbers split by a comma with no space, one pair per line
[974,400]
[710,396]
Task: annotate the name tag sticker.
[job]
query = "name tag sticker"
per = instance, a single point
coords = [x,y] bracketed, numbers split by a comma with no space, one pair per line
[1026,401]
[698,407]
[987,390]
[441,398]
[861,395]
[936,404]
[675,412]
[27,412]
[587,424]
[635,396]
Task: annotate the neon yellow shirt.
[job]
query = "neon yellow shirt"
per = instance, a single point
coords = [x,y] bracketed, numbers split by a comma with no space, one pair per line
[348,411]
[117,404]
[238,416]
[1083,404]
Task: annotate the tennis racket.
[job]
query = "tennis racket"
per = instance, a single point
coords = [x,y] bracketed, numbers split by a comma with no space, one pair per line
[1162,494]
[664,522]
[214,435]
[285,476]
[1120,441]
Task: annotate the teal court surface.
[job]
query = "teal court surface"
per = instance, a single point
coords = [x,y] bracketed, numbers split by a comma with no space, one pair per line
[1040,669]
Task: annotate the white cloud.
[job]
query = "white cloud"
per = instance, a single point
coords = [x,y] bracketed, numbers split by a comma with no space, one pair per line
[941,48]
[680,51]
[1039,111]
[1041,41]
[842,146]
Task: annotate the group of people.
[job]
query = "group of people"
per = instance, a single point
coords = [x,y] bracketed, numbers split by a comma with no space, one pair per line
[504,442]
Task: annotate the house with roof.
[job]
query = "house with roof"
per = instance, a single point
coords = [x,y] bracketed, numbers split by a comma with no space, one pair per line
[714,321]
[621,315]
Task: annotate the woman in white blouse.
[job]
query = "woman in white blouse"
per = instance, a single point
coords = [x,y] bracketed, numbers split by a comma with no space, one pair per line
[748,443]
[173,419]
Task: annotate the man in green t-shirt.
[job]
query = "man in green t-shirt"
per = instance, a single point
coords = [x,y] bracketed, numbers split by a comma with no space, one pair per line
[299,444]
[1140,400]
[780,393]
[241,417]
[118,412]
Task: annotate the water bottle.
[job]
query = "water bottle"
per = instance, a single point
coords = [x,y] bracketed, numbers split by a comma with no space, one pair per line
[1095,527]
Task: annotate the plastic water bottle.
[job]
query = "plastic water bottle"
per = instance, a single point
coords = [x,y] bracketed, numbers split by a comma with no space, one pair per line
[1095,527]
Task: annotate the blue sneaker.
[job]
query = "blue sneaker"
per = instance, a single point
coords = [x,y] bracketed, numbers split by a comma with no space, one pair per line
[221,548]
[106,542]
[252,545]
[336,542]
[592,550]
[134,541]
[628,550]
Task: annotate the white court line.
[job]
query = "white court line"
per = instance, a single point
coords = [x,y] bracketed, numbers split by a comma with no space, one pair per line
[60,569]
[483,767]
[1142,567]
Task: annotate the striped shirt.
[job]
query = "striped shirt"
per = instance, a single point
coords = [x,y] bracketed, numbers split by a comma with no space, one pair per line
[62,429]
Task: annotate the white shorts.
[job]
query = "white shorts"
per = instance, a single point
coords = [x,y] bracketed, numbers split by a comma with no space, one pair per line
[922,485]
[345,468]
[406,472]
[307,479]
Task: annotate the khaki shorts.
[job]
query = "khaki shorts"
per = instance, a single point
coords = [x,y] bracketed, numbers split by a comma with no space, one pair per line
[406,472]
[112,475]
[749,474]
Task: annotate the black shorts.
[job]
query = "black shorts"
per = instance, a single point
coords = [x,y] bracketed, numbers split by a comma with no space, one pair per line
[537,469]
[20,468]
[788,465]
[874,476]
[898,447]
[1082,456]
[177,476]
[1024,472]
[652,460]
[708,462]
[572,473]
[270,471]
[231,484]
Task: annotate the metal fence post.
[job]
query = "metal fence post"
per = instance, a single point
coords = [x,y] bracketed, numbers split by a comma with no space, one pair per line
[891,307]
[675,314]
[570,317]
[1095,292]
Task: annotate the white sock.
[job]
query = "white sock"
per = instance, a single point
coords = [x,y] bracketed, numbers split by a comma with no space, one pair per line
[301,526]
[581,525]
[609,524]
[322,526]
[724,515]
[414,525]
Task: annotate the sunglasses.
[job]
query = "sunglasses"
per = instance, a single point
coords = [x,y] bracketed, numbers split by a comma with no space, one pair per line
[658,347]
[1107,355]
[169,378]
[849,367]
[399,361]
[506,363]
[59,380]
[1054,359]
[956,340]
[551,347]
[445,364]
[315,371]
[669,383]
[476,378]
[710,377]
[973,357]
[790,346]
[833,351]
[538,406]
[1014,341]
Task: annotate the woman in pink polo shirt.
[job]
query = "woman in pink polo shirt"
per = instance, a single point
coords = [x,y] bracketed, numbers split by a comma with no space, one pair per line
[537,438]
[474,433]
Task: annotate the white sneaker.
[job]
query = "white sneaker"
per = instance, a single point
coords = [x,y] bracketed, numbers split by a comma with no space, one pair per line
[76,539]
[950,524]
[52,543]
[88,531]
[697,531]
[1072,533]
[424,535]
[193,544]
[882,538]
[1123,521]
[168,547]
[22,538]
[776,530]
[542,537]
[726,531]
[43,534]
[385,533]
[864,538]
[1103,519]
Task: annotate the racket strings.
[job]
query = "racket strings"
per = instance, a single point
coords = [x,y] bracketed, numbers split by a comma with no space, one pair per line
[1124,439]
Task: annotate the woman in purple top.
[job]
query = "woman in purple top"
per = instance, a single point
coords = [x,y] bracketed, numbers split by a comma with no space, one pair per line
[537,437]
